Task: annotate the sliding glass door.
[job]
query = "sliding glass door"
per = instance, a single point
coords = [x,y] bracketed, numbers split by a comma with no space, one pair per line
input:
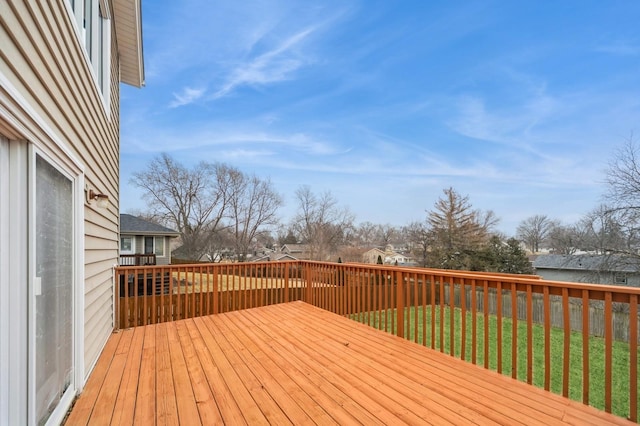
[53,289]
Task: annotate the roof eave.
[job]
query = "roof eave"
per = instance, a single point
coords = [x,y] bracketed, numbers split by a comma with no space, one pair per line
[128,22]
[151,233]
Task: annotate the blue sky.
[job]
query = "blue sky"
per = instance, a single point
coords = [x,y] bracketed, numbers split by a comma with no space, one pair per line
[517,104]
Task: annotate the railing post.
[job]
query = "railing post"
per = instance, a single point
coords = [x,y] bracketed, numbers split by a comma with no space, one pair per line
[399,303]
[116,302]
[286,282]
[217,270]
[307,277]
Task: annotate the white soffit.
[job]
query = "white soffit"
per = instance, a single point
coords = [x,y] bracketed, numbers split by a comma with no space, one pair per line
[128,25]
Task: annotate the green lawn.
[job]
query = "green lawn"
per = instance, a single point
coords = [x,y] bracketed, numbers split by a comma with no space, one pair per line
[620,367]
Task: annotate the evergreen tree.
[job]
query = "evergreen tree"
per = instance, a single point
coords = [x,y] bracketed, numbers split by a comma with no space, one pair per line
[499,256]
[457,232]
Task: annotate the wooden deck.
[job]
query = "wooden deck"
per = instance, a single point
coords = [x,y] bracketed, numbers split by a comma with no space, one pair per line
[297,364]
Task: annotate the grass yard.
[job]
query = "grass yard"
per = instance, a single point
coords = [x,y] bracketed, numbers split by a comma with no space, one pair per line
[620,367]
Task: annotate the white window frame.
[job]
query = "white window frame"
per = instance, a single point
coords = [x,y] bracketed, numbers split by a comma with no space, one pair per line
[133,244]
[156,239]
[620,278]
[98,57]
[156,245]
[78,288]
[37,136]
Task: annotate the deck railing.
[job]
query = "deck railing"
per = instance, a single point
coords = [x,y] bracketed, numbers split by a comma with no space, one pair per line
[579,340]
[137,259]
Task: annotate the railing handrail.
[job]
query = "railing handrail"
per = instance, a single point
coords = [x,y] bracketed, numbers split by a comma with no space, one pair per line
[149,258]
[493,276]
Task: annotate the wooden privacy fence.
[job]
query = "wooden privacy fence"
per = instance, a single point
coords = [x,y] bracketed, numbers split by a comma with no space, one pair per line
[620,311]
[432,307]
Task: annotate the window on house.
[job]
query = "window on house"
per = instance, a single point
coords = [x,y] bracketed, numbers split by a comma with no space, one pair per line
[126,244]
[95,35]
[620,278]
[148,245]
[159,246]
[154,245]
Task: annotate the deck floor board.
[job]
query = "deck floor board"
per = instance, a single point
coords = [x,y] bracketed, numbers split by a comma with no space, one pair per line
[297,364]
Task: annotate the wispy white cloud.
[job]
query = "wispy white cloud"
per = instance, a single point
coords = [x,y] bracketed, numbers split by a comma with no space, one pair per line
[187,96]
[512,123]
[273,66]
[620,48]
[233,136]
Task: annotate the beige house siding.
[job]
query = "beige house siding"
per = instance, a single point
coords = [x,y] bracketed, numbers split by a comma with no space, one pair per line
[44,61]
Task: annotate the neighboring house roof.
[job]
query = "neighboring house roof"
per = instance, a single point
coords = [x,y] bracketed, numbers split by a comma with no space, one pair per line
[388,256]
[128,23]
[590,262]
[273,257]
[137,226]
[374,251]
[295,248]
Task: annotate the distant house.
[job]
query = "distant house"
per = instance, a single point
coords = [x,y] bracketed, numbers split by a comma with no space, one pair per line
[272,257]
[597,269]
[371,256]
[388,256]
[297,251]
[143,242]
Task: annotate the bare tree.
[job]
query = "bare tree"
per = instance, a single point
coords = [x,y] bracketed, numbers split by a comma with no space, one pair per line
[320,222]
[253,205]
[193,201]
[564,239]
[385,234]
[219,245]
[488,220]
[601,231]
[286,235]
[534,231]
[365,234]
[623,193]
[623,177]
[419,239]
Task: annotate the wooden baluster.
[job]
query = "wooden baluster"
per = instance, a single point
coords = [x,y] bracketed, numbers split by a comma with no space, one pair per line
[633,358]
[441,305]
[452,318]
[514,331]
[463,319]
[567,342]
[608,349]
[529,334]
[424,310]
[474,322]
[433,311]
[547,338]
[399,303]
[499,325]
[486,323]
[585,346]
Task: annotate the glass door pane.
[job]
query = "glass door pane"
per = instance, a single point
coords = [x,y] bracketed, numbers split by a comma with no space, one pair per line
[53,287]
[148,245]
